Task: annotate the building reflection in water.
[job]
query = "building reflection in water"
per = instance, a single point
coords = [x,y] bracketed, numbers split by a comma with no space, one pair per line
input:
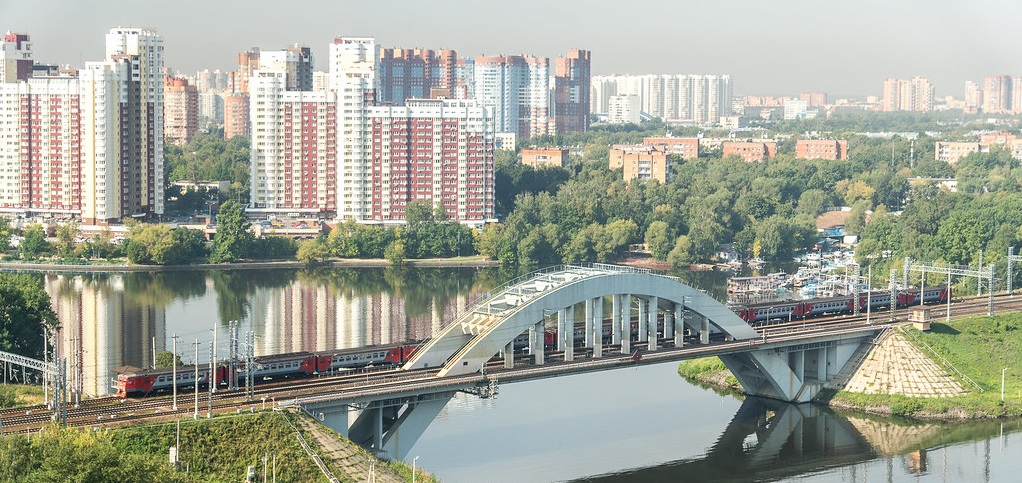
[113,320]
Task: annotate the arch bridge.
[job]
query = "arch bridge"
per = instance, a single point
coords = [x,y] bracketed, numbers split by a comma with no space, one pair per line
[565,307]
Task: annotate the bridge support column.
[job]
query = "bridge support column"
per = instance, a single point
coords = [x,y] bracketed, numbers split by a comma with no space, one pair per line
[704,330]
[679,324]
[569,337]
[509,355]
[537,343]
[588,342]
[626,323]
[597,327]
[642,320]
[562,321]
[615,319]
[669,323]
[391,431]
[651,326]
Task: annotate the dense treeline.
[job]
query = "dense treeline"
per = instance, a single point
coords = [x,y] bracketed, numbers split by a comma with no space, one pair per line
[209,157]
[763,209]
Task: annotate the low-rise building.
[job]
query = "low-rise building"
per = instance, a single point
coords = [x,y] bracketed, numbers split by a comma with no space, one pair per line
[685,148]
[952,152]
[641,162]
[833,149]
[537,157]
[751,151]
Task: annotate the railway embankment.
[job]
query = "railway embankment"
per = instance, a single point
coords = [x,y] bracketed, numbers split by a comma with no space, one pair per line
[952,372]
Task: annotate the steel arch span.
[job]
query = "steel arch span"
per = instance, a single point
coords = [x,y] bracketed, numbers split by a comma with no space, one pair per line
[493,324]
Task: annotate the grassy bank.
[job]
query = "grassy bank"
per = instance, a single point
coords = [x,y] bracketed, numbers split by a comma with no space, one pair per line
[979,347]
[217,450]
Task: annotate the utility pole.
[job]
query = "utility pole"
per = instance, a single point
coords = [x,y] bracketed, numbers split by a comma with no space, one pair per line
[212,379]
[212,359]
[250,366]
[233,364]
[46,361]
[174,371]
[154,352]
[196,414]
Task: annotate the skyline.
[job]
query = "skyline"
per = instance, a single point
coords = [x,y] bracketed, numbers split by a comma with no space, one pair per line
[800,45]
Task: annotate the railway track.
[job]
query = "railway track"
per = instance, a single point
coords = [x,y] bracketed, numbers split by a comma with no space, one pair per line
[112,411]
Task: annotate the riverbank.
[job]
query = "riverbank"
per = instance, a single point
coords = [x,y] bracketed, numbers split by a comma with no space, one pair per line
[978,348]
[473,262]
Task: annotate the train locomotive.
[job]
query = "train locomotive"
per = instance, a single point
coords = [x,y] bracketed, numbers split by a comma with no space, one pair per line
[135,382]
[758,314]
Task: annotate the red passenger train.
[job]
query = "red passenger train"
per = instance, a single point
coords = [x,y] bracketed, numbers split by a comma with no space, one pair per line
[802,309]
[142,382]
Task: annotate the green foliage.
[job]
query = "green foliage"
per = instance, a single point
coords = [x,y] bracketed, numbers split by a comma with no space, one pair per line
[161,245]
[395,252]
[681,255]
[166,359]
[273,247]
[233,238]
[34,244]
[25,312]
[312,251]
[209,157]
[5,234]
[68,454]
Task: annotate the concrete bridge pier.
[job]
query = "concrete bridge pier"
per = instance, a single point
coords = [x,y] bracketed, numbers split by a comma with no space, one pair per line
[388,428]
[569,334]
[536,342]
[669,323]
[562,322]
[679,324]
[704,330]
[793,373]
[509,355]
[588,341]
[651,324]
[615,319]
[597,327]
[626,323]
[641,329]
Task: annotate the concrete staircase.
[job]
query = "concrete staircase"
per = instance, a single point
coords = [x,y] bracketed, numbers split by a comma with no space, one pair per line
[895,366]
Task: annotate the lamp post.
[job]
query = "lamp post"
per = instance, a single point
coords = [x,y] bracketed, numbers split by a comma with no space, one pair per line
[173,383]
[1002,383]
[413,468]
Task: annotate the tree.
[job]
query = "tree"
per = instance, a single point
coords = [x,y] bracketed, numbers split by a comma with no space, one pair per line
[395,252]
[25,312]
[166,359]
[658,240]
[312,251]
[680,256]
[5,234]
[34,243]
[233,237]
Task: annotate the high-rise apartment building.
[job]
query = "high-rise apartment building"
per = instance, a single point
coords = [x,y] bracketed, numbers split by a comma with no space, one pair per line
[15,57]
[437,151]
[571,91]
[180,110]
[236,121]
[997,94]
[915,94]
[295,61]
[141,135]
[698,99]
[353,65]
[973,97]
[294,146]
[416,74]
[517,89]
[813,99]
[623,109]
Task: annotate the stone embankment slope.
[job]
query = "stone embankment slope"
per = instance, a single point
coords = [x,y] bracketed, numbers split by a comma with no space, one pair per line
[348,461]
[895,366]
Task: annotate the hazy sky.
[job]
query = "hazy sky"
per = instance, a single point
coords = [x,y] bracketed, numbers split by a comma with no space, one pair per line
[769,47]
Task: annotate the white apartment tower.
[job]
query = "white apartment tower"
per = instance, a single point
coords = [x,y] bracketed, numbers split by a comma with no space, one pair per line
[141,135]
[353,67]
[517,88]
[698,99]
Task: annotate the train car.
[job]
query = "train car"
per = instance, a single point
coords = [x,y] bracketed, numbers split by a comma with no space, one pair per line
[141,382]
[845,304]
[362,357]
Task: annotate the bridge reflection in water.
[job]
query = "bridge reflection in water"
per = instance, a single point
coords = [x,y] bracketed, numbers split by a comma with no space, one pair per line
[769,440]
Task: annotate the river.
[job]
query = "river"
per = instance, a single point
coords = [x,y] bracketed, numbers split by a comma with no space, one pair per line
[636,424]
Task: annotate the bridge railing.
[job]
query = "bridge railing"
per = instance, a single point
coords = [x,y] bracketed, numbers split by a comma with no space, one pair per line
[605,267]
